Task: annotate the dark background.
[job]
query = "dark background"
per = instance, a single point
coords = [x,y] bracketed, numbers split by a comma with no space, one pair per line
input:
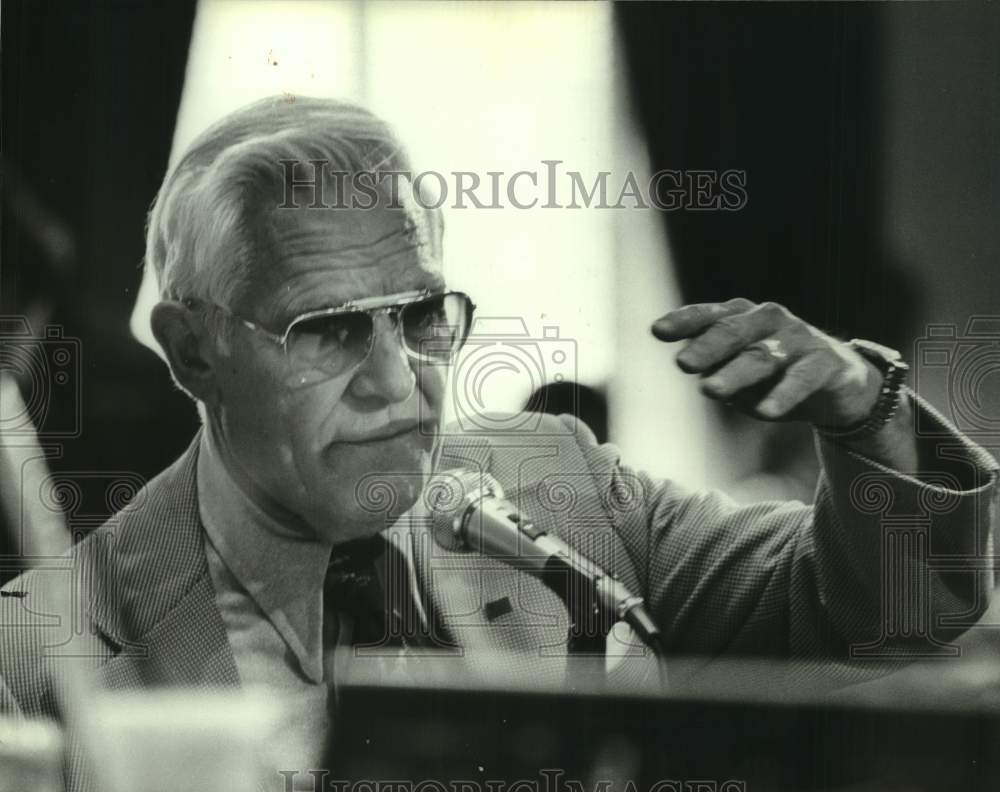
[869,134]
[90,96]
[820,104]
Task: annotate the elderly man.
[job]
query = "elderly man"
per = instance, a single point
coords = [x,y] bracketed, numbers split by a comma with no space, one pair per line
[315,336]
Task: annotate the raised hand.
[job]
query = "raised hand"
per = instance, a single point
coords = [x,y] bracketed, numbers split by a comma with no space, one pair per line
[770,363]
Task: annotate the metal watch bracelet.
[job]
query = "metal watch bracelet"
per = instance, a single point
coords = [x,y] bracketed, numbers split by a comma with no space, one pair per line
[886,406]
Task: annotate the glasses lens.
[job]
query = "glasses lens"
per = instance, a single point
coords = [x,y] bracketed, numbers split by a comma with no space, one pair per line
[330,344]
[436,327]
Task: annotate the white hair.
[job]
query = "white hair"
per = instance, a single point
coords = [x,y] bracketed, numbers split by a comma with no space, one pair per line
[207,227]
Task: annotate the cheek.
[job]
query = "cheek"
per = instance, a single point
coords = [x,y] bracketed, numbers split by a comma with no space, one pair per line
[312,417]
[431,381]
[251,399]
[284,425]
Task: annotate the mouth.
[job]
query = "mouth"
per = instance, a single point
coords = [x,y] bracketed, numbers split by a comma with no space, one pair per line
[391,431]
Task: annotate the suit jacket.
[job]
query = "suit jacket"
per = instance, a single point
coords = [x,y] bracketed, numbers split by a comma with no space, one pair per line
[770,579]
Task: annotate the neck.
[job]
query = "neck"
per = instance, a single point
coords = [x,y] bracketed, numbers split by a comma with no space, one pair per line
[222,457]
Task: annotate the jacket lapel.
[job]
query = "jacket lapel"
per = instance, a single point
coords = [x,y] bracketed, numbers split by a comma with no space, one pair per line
[582,504]
[155,604]
[188,647]
[502,620]
[506,622]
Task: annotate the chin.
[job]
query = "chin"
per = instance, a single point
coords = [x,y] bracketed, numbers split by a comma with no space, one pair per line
[378,505]
[351,531]
[365,490]
[384,496]
[401,463]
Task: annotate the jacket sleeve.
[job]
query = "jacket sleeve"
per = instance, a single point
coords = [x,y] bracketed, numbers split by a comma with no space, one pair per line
[8,703]
[883,566]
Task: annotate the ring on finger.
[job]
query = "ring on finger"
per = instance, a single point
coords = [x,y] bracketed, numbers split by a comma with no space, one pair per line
[772,346]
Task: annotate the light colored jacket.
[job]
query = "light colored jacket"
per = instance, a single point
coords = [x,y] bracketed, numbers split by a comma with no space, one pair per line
[771,579]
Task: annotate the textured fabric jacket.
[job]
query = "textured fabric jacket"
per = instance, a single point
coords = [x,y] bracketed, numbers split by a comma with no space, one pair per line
[771,579]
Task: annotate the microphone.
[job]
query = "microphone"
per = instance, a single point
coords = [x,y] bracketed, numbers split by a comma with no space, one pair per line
[469,513]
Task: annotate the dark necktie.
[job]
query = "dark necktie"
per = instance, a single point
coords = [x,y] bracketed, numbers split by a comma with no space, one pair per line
[383,616]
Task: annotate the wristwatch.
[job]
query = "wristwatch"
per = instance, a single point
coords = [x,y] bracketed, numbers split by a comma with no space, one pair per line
[894,370]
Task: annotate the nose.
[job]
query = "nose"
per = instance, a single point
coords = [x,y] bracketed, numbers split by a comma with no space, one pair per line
[386,374]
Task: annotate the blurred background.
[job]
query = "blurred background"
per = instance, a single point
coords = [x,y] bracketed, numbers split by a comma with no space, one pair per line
[868,135]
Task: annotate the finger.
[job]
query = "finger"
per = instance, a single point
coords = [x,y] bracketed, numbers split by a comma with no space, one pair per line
[756,363]
[801,380]
[728,336]
[690,320]
[761,361]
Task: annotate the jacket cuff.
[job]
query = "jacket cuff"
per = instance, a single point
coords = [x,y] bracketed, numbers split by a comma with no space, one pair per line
[954,464]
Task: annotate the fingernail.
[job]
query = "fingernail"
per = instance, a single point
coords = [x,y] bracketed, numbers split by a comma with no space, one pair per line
[688,361]
[713,384]
[769,407]
[661,327]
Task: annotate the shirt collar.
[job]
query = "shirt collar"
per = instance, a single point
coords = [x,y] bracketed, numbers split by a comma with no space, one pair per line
[282,571]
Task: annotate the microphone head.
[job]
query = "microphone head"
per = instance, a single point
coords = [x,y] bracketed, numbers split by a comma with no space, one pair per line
[449,497]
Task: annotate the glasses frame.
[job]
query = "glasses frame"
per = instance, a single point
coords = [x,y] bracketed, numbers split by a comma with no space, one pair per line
[390,304]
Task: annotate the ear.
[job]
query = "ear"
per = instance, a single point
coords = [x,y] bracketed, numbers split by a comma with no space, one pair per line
[189,348]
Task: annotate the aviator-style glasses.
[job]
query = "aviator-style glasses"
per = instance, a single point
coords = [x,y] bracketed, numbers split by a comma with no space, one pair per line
[432,327]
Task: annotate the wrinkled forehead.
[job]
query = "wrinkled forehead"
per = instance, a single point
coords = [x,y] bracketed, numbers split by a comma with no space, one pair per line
[323,257]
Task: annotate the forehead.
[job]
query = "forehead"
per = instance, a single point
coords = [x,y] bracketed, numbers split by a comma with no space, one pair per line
[318,258]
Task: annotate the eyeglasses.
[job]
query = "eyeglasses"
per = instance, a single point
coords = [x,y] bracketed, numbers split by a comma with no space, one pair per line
[432,328]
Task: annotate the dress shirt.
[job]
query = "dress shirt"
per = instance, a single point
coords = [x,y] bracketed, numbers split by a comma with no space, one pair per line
[269,592]
[278,574]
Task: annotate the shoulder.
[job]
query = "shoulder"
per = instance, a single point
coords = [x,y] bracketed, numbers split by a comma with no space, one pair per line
[523,448]
[520,428]
[83,601]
